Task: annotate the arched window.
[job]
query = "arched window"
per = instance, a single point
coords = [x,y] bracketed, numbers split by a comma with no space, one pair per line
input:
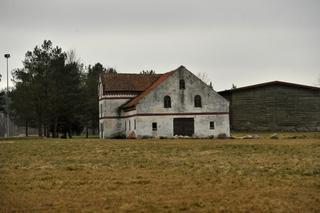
[182,84]
[167,102]
[197,101]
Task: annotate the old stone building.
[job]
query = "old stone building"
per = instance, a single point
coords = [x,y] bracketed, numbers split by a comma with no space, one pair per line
[169,104]
[274,106]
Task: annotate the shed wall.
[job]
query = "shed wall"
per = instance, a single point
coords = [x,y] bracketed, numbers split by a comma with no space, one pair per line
[276,107]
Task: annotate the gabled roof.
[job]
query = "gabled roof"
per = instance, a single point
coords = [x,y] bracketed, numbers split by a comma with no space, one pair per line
[281,83]
[132,103]
[127,82]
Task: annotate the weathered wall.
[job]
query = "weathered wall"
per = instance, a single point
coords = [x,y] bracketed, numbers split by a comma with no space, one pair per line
[276,107]
[128,123]
[182,101]
[165,125]
[110,108]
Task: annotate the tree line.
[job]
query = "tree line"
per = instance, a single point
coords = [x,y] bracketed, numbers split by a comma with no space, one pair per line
[55,93]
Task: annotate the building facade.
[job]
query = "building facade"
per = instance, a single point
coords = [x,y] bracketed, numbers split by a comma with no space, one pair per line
[169,104]
[276,106]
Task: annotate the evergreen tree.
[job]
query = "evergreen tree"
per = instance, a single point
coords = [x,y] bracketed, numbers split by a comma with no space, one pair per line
[22,106]
[48,91]
[92,97]
[53,93]
[2,101]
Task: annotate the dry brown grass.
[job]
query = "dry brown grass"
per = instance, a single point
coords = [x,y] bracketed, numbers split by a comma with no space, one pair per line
[160,175]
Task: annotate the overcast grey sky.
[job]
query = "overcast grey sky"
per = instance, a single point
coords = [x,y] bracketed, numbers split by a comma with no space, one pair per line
[234,41]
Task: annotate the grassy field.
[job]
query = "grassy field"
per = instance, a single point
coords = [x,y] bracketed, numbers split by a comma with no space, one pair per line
[95,175]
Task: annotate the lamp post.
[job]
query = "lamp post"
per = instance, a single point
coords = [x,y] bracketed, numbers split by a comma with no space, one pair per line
[7,56]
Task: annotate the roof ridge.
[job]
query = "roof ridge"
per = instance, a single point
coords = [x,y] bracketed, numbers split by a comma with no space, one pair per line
[271,83]
[122,73]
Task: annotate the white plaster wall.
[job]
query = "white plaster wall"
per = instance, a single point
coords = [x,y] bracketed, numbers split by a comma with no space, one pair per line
[126,120]
[111,126]
[183,100]
[165,125]
[110,106]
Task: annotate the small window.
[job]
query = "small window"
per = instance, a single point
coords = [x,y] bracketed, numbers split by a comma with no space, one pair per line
[125,125]
[154,126]
[167,102]
[211,124]
[100,110]
[135,124]
[129,125]
[101,130]
[197,101]
[182,84]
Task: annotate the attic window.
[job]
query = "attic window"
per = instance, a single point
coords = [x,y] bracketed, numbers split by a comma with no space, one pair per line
[182,84]
[167,101]
[197,101]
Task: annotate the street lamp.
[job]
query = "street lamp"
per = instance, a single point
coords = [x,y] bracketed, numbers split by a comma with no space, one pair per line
[7,56]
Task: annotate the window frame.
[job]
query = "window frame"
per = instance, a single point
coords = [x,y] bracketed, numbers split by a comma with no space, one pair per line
[167,101]
[101,130]
[154,126]
[212,125]
[182,84]
[129,125]
[197,101]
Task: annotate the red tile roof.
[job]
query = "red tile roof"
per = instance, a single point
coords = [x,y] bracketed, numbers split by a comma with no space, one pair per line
[140,83]
[125,82]
[132,103]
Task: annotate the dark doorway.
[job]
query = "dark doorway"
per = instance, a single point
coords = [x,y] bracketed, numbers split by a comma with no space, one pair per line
[183,126]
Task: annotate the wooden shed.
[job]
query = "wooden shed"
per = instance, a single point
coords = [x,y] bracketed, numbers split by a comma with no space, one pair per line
[275,105]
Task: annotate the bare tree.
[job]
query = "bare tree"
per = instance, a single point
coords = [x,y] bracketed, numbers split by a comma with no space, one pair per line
[204,77]
[72,57]
[148,72]
[111,70]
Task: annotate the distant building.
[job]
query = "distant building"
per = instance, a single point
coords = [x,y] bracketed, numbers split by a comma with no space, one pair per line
[169,104]
[274,106]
